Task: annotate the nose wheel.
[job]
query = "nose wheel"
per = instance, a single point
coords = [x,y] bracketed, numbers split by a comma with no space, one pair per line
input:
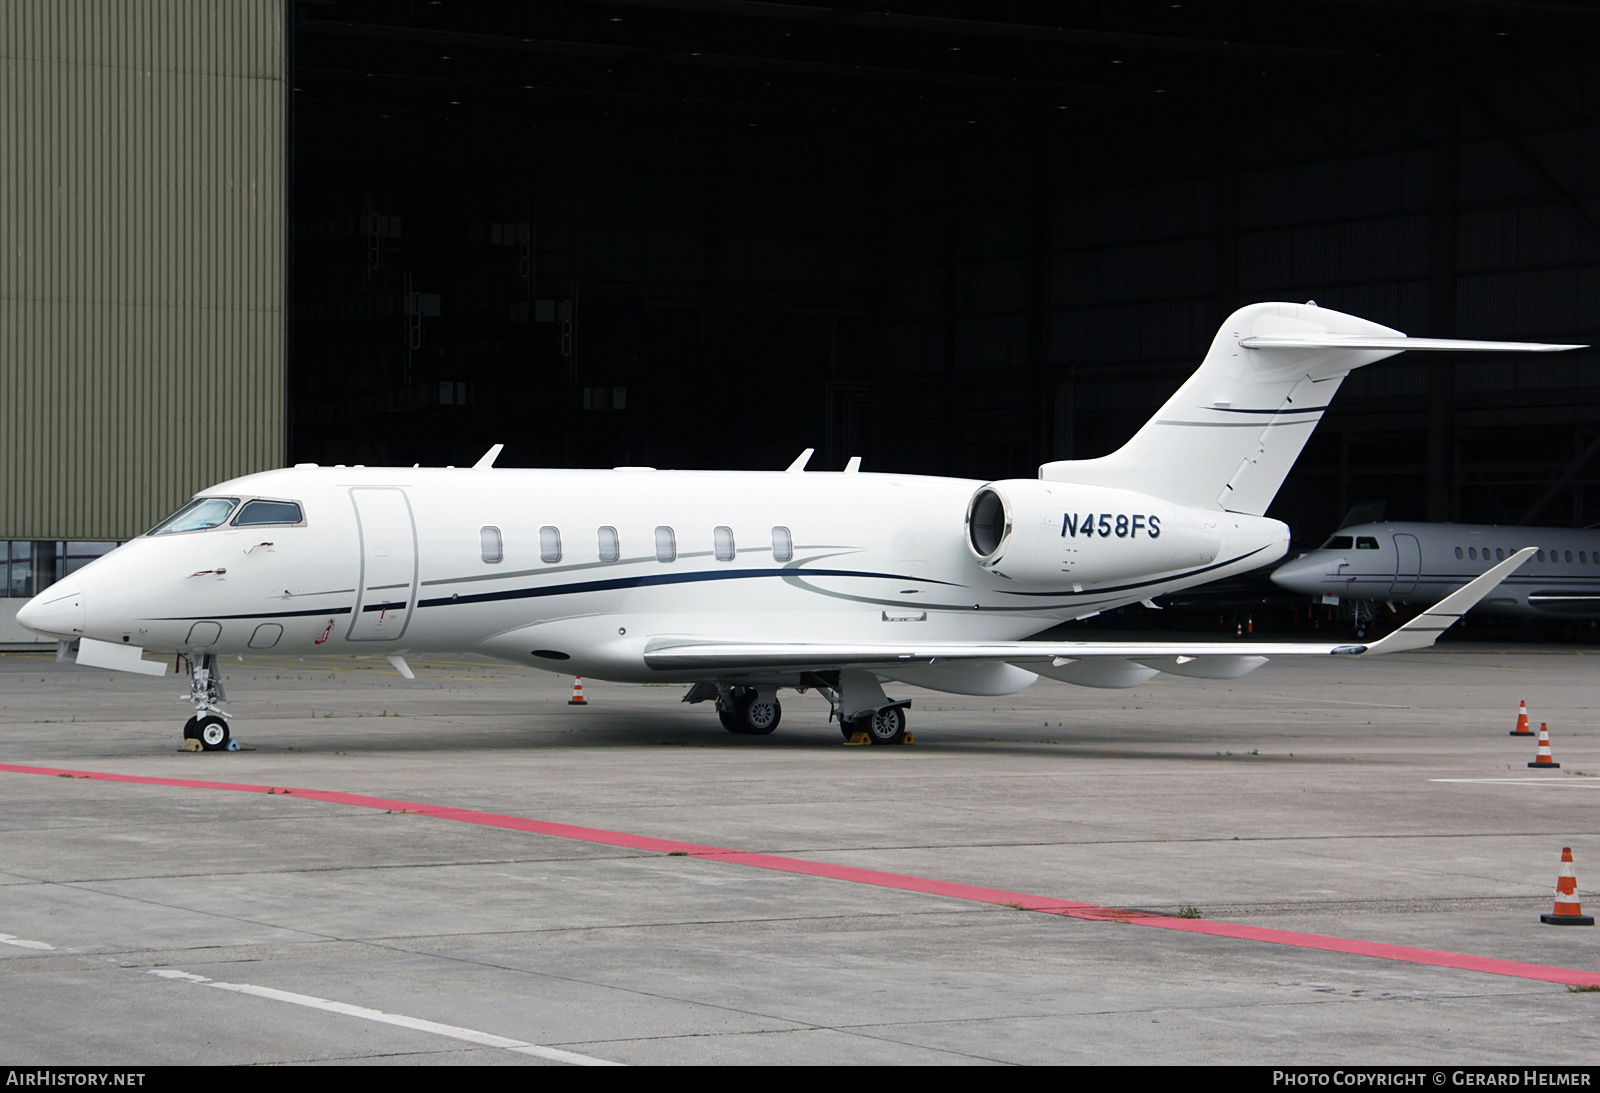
[211,731]
[208,728]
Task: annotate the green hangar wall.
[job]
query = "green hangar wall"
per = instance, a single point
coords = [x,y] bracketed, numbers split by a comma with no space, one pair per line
[142,263]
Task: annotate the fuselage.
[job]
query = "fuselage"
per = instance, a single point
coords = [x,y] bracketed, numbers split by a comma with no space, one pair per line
[574,571]
[1423,562]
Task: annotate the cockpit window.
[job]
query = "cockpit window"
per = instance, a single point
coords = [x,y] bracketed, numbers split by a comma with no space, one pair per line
[268,512]
[1339,542]
[1366,542]
[197,515]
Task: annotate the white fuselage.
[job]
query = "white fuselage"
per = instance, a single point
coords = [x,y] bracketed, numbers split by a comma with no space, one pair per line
[390,561]
[1413,562]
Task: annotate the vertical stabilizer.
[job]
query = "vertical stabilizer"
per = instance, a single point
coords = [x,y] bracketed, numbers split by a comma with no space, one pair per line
[1227,438]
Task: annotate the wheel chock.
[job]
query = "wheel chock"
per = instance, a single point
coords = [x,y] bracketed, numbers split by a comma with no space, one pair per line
[909,739]
[189,745]
[860,739]
[233,744]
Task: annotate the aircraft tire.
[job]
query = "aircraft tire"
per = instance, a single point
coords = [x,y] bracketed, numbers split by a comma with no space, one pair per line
[886,726]
[755,717]
[191,728]
[213,734]
[729,720]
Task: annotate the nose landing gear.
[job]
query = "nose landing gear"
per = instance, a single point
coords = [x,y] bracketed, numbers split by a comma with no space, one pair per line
[208,729]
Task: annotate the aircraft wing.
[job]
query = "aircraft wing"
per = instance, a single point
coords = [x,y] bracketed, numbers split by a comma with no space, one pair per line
[1193,657]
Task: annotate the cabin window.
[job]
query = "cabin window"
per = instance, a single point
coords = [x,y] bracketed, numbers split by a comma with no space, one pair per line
[1366,542]
[666,545]
[1339,542]
[1539,556]
[1583,557]
[1460,553]
[197,515]
[610,548]
[268,512]
[1499,554]
[1472,552]
[489,541]
[722,544]
[549,544]
[1569,555]
[782,545]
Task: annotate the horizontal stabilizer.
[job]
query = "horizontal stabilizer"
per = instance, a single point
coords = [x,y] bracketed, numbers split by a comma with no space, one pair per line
[1227,438]
[1357,341]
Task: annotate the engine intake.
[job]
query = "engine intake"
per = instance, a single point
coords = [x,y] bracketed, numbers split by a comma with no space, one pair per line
[1050,533]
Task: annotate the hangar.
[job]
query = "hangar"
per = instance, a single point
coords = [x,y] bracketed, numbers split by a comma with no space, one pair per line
[954,238]
[948,237]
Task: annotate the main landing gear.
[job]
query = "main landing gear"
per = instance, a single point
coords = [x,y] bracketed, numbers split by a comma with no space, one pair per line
[885,726]
[208,729]
[755,711]
[749,711]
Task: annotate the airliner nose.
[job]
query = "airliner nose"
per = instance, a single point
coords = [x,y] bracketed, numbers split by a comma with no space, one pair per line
[57,611]
[1303,574]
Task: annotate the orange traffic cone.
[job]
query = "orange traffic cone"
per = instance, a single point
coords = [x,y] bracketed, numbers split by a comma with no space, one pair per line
[1568,912]
[1523,728]
[1543,758]
[577,698]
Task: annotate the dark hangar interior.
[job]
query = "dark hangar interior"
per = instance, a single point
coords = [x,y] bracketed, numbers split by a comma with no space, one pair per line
[951,237]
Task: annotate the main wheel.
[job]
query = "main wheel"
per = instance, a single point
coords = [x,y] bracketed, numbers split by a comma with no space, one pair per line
[887,726]
[191,728]
[213,734]
[756,716]
[729,720]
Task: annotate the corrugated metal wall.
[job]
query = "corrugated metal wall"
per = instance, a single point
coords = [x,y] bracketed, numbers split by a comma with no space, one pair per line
[142,196]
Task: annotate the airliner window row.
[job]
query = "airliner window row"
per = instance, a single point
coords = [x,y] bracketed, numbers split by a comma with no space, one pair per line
[1584,557]
[492,544]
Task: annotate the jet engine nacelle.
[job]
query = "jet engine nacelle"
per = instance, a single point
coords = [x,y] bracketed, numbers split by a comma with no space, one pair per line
[1049,533]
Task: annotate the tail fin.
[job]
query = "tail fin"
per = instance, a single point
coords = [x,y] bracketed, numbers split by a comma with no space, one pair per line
[1227,438]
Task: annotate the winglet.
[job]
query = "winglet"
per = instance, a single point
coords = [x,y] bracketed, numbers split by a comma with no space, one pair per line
[1425,629]
[488,458]
[800,461]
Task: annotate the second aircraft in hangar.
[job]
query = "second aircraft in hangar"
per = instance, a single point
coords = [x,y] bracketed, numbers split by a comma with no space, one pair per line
[1410,562]
[742,583]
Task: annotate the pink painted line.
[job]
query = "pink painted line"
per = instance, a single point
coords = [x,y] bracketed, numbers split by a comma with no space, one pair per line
[877,878]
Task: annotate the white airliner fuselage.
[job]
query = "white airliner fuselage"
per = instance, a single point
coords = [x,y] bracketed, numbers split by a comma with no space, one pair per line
[584,568]
[744,582]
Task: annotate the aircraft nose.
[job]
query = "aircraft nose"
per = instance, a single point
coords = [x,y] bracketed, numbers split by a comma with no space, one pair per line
[1303,574]
[57,611]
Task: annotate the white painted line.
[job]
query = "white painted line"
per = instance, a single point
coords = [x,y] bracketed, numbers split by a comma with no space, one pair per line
[456,1032]
[1560,783]
[24,943]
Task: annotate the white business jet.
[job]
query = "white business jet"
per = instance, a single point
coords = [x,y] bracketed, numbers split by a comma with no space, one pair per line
[743,583]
